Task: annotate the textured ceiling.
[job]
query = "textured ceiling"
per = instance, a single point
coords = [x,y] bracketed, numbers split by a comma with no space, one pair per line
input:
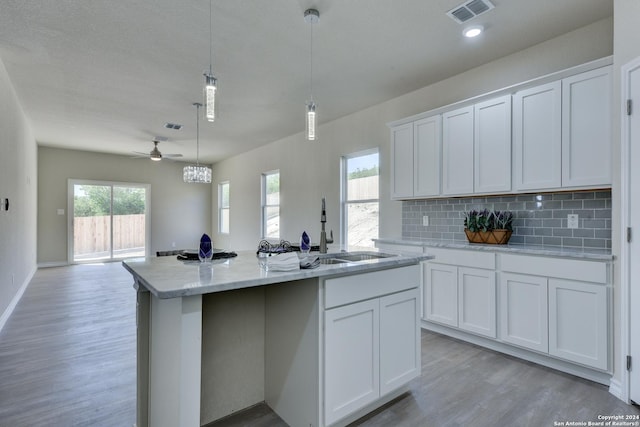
[106,76]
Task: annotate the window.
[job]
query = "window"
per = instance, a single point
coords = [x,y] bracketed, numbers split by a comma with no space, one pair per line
[271,204]
[223,207]
[360,198]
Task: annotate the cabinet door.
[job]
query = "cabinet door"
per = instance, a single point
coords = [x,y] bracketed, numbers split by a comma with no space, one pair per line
[537,137]
[402,161]
[457,151]
[441,294]
[477,301]
[399,340]
[523,311]
[586,129]
[352,358]
[578,322]
[492,145]
[426,167]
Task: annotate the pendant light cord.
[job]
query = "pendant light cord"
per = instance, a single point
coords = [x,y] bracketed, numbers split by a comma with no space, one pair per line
[197,134]
[210,38]
[311,61]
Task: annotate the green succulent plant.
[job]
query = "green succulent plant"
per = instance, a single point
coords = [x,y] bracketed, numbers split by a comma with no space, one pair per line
[486,220]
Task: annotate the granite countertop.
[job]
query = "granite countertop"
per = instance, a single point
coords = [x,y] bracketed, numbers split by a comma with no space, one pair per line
[555,251]
[167,277]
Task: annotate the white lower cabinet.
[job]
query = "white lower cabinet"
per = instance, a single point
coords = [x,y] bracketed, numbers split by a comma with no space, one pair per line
[399,340]
[462,297]
[477,301]
[557,307]
[352,358]
[441,294]
[523,311]
[578,322]
[371,338]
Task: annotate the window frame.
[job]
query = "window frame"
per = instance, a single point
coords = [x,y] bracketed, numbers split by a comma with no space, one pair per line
[222,208]
[344,226]
[263,202]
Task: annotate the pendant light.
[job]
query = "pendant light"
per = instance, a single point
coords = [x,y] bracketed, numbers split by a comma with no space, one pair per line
[210,82]
[196,173]
[311,16]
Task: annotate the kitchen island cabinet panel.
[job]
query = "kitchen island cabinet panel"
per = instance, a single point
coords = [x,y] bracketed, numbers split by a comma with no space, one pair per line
[399,340]
[352,358]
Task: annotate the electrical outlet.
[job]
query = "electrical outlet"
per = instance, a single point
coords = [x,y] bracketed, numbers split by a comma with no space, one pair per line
[60,211]
[173,244]
[425,220]
[572,221]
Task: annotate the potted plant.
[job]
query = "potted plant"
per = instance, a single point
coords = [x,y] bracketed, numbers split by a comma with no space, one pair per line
[493,227]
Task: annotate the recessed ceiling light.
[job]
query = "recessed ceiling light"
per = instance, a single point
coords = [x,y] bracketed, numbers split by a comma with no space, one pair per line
[174,126]
[473,31]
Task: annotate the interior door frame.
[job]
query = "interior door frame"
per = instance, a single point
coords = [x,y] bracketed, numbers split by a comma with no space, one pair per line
[625,252]
[70,216]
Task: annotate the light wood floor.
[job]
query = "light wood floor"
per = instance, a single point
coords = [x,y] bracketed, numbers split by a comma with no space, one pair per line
[67,358]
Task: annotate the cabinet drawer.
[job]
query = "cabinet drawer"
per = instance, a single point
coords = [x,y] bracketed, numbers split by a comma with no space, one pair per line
[571,269]
[462,258]
[359,287]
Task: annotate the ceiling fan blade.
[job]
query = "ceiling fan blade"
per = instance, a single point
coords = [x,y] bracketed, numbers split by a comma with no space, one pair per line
[172,155]
[141,153]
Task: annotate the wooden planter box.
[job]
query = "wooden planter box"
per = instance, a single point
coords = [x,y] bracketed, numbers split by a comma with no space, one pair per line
[493,237]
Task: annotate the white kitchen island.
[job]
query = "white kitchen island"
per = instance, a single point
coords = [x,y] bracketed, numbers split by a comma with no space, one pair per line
[325,345]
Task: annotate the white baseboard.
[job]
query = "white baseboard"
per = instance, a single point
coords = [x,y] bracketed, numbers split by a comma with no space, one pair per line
[615,388]
[16,298]
[52,264]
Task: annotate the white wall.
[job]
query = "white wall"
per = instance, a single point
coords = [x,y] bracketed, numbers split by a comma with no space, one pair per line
[18,178]
[180,212]
[309,170]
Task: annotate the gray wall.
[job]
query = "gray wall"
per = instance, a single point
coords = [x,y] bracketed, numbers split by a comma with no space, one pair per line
[179,212]
[309,170]
[538,219]
[18,178]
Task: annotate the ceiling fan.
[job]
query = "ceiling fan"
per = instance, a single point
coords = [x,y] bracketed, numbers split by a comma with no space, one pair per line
[155,154]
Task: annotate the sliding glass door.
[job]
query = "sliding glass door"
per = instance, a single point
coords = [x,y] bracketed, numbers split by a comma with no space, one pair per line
[108,220]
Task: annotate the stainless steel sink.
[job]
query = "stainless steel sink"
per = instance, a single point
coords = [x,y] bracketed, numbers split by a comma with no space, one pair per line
[362,256]
[332,261]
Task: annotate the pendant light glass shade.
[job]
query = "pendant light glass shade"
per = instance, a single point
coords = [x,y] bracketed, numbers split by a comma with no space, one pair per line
[310,132]
[210,82]
[311,16]
[197,174]
[210,97]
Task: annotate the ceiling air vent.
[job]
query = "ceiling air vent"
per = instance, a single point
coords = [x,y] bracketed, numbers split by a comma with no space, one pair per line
[469,10]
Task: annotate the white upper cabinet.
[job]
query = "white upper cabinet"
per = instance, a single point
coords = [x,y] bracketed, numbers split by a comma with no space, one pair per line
[586,129]
[427,135]
[415,158]
[457,151]
[492,145]
[537,137]
[402,161]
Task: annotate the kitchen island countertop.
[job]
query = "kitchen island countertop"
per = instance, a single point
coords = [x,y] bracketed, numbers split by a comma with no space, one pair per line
[168,277]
